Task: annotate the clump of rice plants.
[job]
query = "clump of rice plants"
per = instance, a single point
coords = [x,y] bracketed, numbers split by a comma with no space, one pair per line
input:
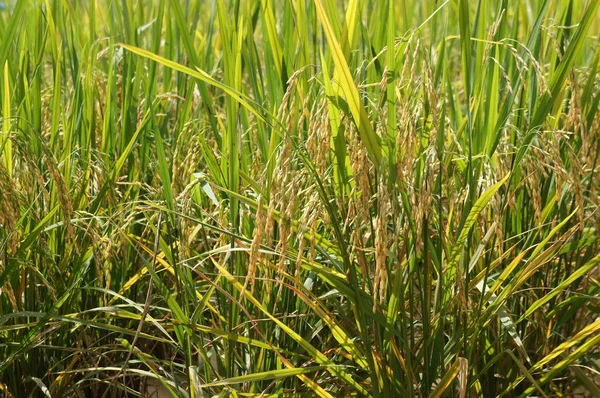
[299,198]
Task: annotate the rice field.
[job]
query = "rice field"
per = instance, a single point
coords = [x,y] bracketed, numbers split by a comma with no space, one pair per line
[296,198]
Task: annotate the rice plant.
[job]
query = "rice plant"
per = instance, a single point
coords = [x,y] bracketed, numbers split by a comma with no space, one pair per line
[382,198]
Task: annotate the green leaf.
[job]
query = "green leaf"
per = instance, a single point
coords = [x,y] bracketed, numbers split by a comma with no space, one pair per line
[359,114]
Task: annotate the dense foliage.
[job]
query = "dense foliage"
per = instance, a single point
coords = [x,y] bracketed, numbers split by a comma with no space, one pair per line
[300,197]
